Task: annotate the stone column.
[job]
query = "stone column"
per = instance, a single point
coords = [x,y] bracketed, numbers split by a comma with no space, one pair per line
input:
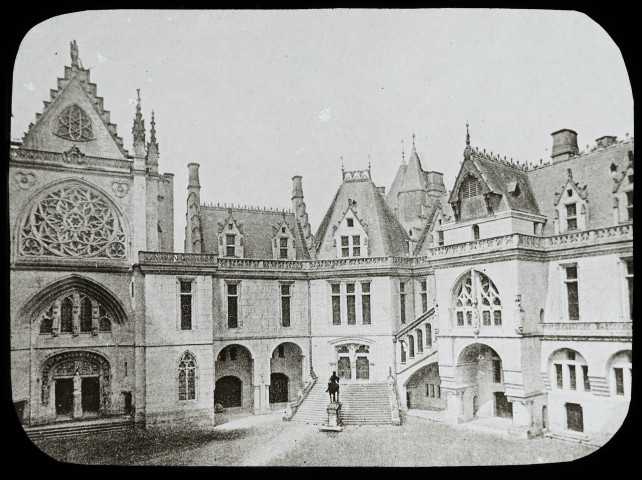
[77,404]
[95,318]
[455,404]
[266,399]
[305,364]
[257,399]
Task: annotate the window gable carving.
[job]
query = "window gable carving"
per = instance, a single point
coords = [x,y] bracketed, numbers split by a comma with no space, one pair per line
[74,124]
[350,235]
[477,296]
[75,312]
[230,237]
[73,220]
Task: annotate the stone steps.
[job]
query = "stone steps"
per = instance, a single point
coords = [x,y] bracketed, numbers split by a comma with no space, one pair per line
[79,428]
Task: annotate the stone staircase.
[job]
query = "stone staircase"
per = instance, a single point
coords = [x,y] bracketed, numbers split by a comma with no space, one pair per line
[313,408]
[365,404]
[71,429]
[361,404]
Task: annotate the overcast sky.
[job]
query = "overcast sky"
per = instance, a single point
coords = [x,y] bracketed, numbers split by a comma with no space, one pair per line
[256,97]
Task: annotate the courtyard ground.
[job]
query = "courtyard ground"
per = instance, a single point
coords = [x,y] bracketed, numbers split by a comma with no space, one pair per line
[268,441]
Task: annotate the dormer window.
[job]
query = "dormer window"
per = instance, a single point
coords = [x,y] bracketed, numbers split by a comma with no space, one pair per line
[471,187]
[230,244]
[571,216]
[629,205]
[283,248]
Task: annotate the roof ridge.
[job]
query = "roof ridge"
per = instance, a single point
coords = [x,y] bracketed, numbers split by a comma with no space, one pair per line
[246,208]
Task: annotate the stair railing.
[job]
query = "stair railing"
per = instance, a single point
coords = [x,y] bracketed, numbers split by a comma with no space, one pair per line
[292,407]
[393,398]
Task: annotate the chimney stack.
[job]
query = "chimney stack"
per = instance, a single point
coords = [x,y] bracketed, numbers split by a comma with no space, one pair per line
[605,141]
[193,175]
[564,145]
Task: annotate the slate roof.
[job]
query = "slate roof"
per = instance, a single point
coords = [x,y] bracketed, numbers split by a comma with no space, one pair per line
[592,169]
[386,236]
[257,228]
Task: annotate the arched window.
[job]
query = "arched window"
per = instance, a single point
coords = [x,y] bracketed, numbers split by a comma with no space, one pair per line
[411,346]
[568,370]
[475,232]
[74,124]
[620,373]
[420,341]
[403,354]
[187,377]
[85,315]
[104,323]
[470,187]
[46,324]
[66,318]
[476,290]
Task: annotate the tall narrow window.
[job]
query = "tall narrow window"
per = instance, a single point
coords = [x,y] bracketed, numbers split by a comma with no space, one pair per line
[356,246]
[350,304]
[85,315]
[497,371]
[475,232]
[587,382]
[572,375]
[186,305]
[424,296]
[571,292]
[365,304]
[420,341]
[428,335]
[629,282]
[559,376]
[232,353]
[187,377]
[281,351]
[629,205]
[336,304]
[402,301]
[571,216]
[440,237]
[230,245]
[285,305]
[411,346]
[345,247]
[232,305]
[619,381]
[66,317]
[403,354]
[283,248]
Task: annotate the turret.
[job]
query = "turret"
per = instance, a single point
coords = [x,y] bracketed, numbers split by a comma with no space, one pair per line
[138,130]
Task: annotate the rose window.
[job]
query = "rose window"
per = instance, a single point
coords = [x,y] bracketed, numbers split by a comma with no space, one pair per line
[73,221]
[74,124]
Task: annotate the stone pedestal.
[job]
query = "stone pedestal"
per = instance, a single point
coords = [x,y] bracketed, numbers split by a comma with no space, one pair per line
[334,419]
[77,410]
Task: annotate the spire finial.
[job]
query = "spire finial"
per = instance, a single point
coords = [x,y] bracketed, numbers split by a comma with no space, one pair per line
[152,130]
[467,135]
[403,152]
[138,130]
[342,169]
[368,161]
[413,141]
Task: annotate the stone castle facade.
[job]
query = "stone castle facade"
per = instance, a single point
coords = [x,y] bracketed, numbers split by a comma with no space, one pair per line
[508,296]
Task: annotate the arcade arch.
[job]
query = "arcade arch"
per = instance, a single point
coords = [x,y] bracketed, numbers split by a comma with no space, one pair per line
[234,369]
[286,372]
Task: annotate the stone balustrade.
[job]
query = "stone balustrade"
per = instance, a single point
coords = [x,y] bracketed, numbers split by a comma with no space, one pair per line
[602,329]
[172,258]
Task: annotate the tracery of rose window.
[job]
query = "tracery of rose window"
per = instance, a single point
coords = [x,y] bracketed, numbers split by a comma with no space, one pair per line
[477,294]
[72,221]
[74,124]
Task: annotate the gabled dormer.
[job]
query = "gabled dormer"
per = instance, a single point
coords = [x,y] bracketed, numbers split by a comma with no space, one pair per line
[570,206]
[350,235]
[471,196]
[283,246]
[623,192]
[230,237]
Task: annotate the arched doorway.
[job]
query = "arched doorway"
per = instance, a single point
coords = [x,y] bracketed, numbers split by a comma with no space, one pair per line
[229,392]
[480,368]
[286,369]
[279,388]
[81,384]
[423,389]
[234,368]
[353,362]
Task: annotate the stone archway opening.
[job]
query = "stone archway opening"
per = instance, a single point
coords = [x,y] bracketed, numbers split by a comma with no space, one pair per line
[423,389]
[286,372]
[479,369]
[234,369]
